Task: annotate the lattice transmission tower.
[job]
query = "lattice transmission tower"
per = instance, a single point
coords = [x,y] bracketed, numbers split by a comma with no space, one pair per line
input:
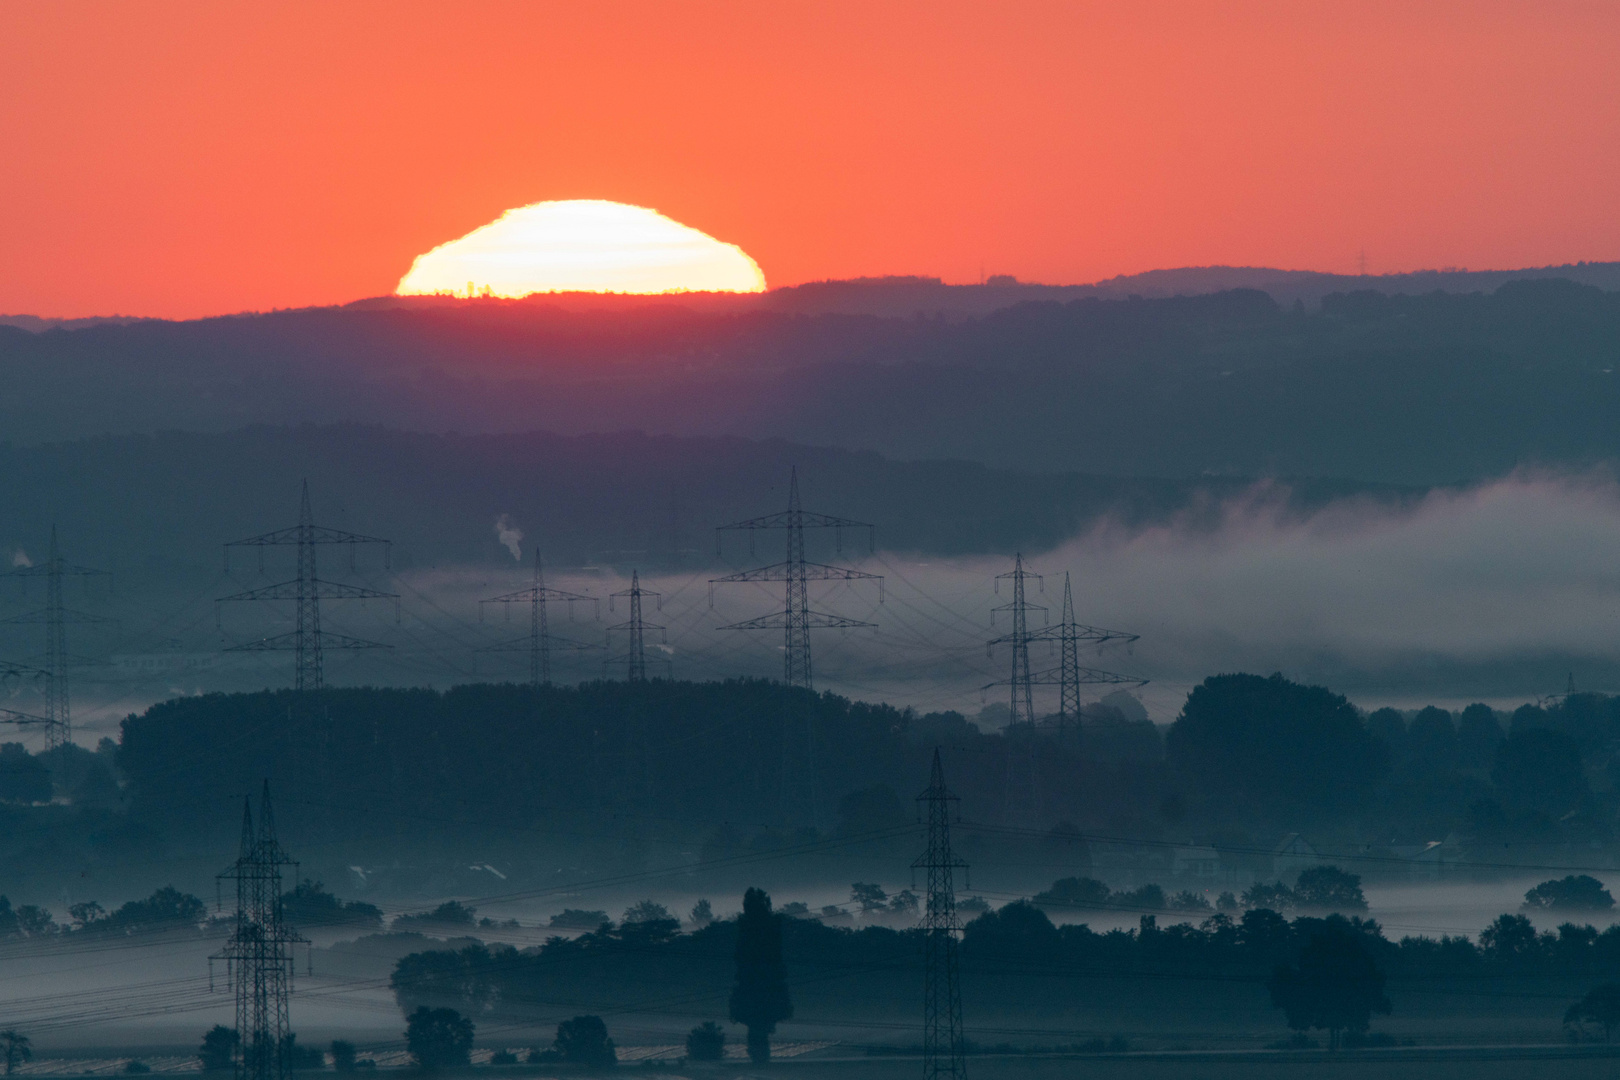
[12,676]
[308,641]
[635,628]
[1023,794]
[55,616]
[258,955]
[799,789]
[796,618]
[1069,675]
[1023,694]
[540,641]
[943,1044]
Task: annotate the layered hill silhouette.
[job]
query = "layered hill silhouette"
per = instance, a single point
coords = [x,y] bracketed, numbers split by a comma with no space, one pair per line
[1367,386]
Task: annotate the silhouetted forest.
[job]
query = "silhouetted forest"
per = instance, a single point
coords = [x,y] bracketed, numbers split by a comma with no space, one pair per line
[1015,961]
[632,770]
[1401,389]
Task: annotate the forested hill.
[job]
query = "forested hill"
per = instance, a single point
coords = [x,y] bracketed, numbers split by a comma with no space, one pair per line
[614,499]
[1407,389]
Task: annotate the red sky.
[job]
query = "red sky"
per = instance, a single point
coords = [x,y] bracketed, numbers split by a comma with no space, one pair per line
[192,158]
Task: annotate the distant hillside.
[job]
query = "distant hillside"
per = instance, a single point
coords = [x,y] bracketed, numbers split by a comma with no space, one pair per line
[1406,389]
[907,295]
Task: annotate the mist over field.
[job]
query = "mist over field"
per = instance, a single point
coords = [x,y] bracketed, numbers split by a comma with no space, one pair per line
[1357,629]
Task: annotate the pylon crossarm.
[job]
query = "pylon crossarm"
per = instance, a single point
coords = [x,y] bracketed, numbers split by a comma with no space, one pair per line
[326,590]
[45,569]
[815,620]
[787,519]
[313,534]
[785,572]
[524,644]
[289,641]
[12,716]
[66,615]
[1086,677]
[1082,634]
[527,596]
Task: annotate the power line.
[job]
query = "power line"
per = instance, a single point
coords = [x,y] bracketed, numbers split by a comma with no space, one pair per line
[942,989]
[308,641]
[796,619]
[635,628]
[55,617]
[258,957]
[540,641]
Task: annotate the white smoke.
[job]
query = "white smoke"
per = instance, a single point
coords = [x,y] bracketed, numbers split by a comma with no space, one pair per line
[20,558]
[510,535]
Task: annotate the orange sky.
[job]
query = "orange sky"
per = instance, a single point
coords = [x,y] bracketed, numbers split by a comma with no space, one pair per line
[193,158]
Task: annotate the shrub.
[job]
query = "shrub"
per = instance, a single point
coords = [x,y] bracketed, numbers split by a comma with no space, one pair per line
[343,1059]
[1572,893]
[706,1043]
[438,1038]
[584,1041]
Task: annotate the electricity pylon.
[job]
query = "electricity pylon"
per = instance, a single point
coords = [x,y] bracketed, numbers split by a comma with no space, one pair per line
[308,641]
[1023,696]
[1070,635]
[796,618]
[635,657]
[258,955]
[539,641]
[1023,788]
[55,617]
[943,1049]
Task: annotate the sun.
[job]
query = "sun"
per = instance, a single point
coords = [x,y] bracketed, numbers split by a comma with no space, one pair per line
[582,245]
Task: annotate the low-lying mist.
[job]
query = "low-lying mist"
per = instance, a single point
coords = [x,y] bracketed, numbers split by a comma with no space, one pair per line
[1496,592]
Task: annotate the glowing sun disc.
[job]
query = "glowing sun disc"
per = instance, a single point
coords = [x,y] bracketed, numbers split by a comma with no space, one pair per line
[582,245]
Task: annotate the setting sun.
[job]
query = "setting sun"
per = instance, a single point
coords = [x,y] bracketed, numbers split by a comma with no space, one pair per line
[582,245]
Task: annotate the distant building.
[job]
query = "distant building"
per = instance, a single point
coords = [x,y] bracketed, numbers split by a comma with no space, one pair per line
[1200,863]
[1426,862]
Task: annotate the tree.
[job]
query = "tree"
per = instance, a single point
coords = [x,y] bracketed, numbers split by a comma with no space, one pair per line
[438,1038]
[85,913]
[1274,748]
[759,1000]
[1273,897]
[1538,770]
[34,921]
[23,778]
[1328,888]
[584,1041]
[1075,892]
[869,897]
[300,1057]
[644,911]
[1431,739]
[451,915]
[218,1050]
[18,1049]
[1509,938]
[310,904]
[343,1056]
[904,902]
[579,919]
[702,912]
[1572,893]
[1479,733]
[706,1043]
[1336,986]
[1389,727]
[1600,1006]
